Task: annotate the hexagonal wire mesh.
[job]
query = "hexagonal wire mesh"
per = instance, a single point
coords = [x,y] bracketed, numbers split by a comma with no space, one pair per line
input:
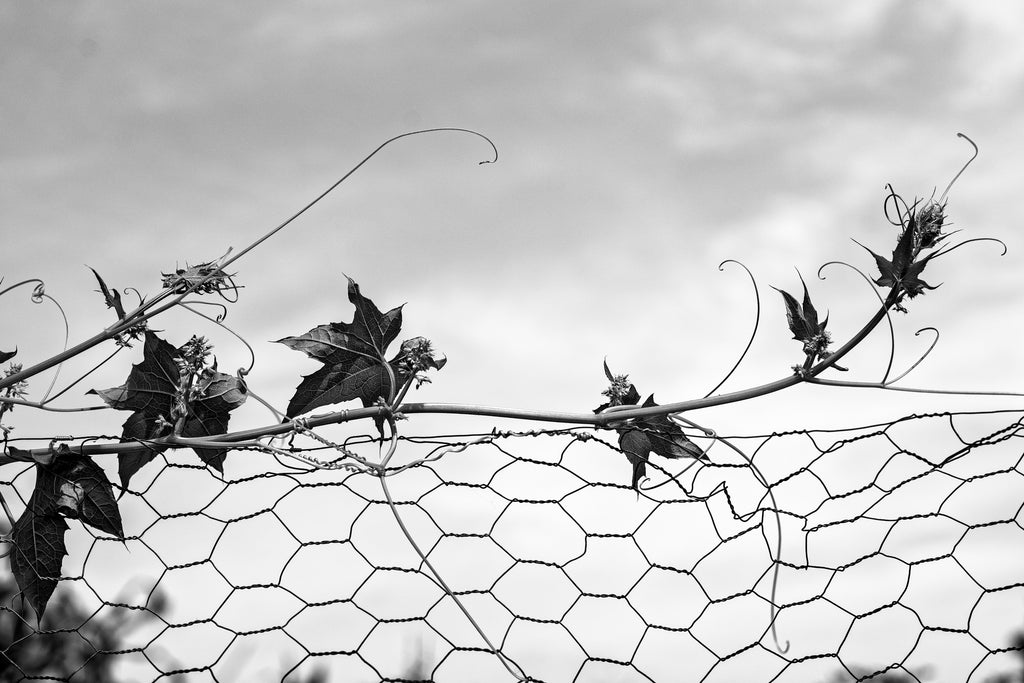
[889,550]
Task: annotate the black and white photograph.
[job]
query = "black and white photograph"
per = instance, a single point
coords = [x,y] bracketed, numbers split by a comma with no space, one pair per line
[605,341]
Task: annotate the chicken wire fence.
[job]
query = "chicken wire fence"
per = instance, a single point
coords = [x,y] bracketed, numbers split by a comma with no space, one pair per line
[883,552]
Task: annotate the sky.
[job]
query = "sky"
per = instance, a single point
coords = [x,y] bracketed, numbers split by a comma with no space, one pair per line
[640,145]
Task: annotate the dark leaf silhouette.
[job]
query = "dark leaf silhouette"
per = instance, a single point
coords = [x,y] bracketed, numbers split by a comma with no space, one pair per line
[618,392]
[111,297]
[904,270]
[74,486]
[7,355]
[638,438]
[353,355]
[802,318]
[38,553]
[205,278]
[153,393]
[67,485]
[666,437]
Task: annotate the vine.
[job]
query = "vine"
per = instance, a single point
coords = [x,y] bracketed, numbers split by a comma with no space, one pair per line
[178,398]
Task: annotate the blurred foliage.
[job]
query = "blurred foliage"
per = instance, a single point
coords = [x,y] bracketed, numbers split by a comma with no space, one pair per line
[69,641]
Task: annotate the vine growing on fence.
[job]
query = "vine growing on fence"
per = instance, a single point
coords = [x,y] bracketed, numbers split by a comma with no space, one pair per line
[177,397]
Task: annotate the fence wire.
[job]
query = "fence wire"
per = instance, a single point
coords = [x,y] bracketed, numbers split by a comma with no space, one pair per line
[891,552]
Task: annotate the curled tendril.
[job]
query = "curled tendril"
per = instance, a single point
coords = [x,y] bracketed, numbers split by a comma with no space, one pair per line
[998,241]
[753,332]
[221,317]
[670,478]
[919,360]
[37,297]
[874,290]
[39,288]
[900,213]
[218,322]
[136,292]
[963,168]
[348,174]
[39,293]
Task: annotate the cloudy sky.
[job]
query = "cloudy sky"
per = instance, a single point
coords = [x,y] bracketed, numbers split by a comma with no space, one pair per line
[641,144]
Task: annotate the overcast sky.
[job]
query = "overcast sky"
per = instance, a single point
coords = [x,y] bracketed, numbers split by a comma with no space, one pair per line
[641,144]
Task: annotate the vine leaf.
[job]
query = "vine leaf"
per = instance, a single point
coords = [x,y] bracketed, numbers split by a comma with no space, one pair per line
[638,438]
[77,488]
[111,297]
[802,318]
[68,485]
[353,355]
[37,555]
[153,393]
[904,270]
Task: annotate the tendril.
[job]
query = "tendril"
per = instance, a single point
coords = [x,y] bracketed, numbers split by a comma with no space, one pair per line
[517,672]
[39,285]
[221,317]
[773,607]
[998,241]
[348,174]
[218,323]
[874,290]
[753,333]
[89,372]
[896,202]
[962,168]
[919,360]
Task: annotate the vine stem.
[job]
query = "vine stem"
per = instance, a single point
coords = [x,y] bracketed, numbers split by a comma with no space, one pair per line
[598,420]
[915,390]
[505,661]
